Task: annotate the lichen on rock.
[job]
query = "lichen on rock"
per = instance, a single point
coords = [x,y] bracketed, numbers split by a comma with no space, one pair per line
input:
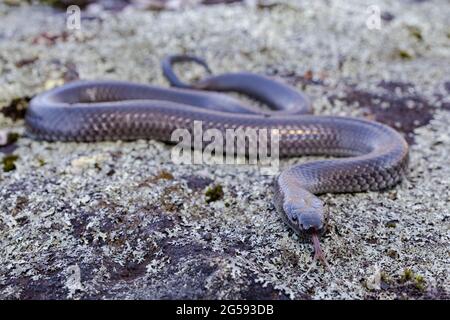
[120,220]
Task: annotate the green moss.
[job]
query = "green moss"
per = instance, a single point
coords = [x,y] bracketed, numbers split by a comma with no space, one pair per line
[12,137]
[9,162]
[419,283]
[391,224]
[214,193]
[42,162]
[50,2]
[53,3]
[405,55]
[415,32]
[417,280]
[407,275]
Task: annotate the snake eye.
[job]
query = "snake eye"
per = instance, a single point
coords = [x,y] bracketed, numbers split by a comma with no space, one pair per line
[294,217]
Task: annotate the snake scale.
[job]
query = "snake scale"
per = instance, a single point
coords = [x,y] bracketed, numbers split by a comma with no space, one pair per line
[369,155]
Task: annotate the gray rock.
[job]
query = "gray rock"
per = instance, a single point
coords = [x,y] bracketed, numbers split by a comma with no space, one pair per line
[100,220]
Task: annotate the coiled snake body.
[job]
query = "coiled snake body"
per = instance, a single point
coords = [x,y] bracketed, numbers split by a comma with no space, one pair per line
[372,156]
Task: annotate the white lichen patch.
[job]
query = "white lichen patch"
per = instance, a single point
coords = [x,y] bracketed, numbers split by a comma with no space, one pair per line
[73,282]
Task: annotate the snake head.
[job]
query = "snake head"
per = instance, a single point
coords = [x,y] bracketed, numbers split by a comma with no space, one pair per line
[305,214]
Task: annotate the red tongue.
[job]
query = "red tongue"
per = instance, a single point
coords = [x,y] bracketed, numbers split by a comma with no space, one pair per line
[318,253]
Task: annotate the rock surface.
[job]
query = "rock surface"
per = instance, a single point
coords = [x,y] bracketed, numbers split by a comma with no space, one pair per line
[120,220]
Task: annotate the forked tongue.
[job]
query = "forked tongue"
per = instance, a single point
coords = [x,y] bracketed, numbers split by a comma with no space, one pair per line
[318,253]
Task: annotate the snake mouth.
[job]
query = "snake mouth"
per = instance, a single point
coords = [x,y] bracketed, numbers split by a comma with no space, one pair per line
[311,231]
[310,223]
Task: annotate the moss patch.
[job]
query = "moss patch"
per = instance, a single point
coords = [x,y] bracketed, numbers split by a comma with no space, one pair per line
[9,162]
[405,55]
[416,280]
[415,32]
[16,109]
[214,193]
[12,137]
[42,162]
[407,275]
